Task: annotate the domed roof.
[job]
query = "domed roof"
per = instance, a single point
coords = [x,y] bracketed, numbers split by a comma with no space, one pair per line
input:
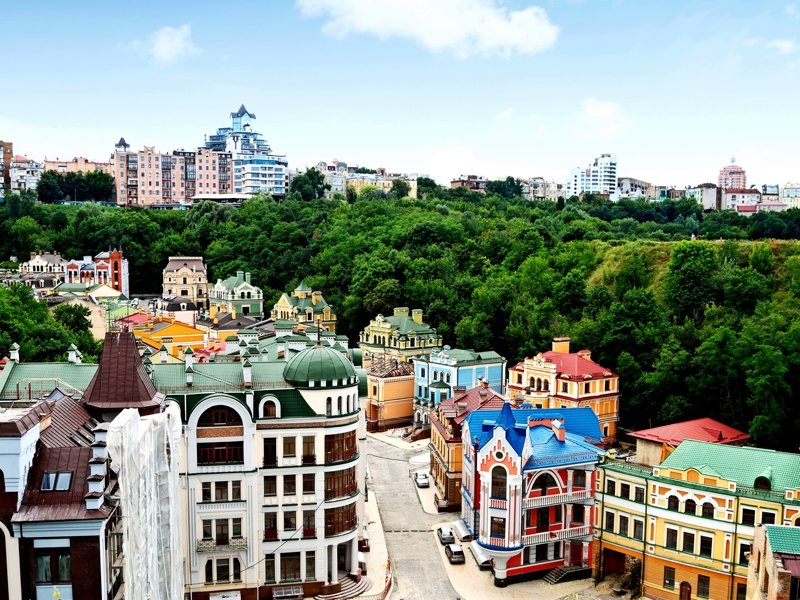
[317,364]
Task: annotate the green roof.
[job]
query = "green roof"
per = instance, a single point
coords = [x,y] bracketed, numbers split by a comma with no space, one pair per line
[317,364]
[783,539]
[71,287]
[248,332]
[283,324]
[439,385]
[741,464]
[464,357]
[228,376]
[302,287]
[44,377]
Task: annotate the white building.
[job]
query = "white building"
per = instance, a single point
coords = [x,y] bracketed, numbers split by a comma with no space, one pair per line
[599,178]
[24,173]
[335,173]
[537,188]
[790,195]
[255,168]
[628,187]
[707,194]
[735,197]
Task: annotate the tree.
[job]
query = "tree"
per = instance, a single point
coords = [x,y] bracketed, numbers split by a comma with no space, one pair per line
[427,186]
[507,188]
[49,187]
[762,259]
[74,317]
[310,185]
[400,188]
[689,283]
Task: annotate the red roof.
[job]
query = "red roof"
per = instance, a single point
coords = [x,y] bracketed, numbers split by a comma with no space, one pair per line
[477,397]
[741,191]
[134,319]
[703,430]
[747,208]
[572,365]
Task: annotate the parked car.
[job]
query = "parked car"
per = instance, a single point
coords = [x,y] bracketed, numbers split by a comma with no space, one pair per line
[422,480]
[454,553]
[445,535]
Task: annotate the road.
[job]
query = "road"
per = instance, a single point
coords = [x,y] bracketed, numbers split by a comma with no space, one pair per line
[417,563]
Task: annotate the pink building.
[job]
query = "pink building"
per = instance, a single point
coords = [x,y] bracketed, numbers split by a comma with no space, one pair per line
[732,176]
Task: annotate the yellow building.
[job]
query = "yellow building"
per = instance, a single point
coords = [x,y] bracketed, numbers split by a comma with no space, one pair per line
[398,337]
[359,182]
[174,336]
[563,379]
[684,529]
[305,307]
[390,395]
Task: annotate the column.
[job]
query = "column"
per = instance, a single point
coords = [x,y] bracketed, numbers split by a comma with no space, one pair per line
[570,475]
[354,556]
[334,563]
[585,554]
[325,564]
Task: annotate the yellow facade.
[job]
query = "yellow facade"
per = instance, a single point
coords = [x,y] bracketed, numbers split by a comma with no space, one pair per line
[390,400]
[446,456]
[175,336]
[358,184]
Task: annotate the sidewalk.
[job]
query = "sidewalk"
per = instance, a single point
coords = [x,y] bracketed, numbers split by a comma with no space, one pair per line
[378,554]
[398,442]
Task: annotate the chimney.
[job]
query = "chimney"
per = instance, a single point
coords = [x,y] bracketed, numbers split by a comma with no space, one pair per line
[188,357]
[561,344]
[73,355]
[316,297]
[587,354]
[247,277]
[484,383]
[233,311]
[33,255]
[401,311]
[247,373]
[240,274]
[559,430]
[416,314]
[13,352]
[189,371]
[162,354]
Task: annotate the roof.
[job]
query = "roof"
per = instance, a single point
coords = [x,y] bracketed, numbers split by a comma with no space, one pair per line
[477,397]
[241,112]
[192,262]
[234,282]
[70,425]
[572,365]
[302,287]
[741,464]
[705,430]
[741,191]
[319,363]
[783,539]
[17,379]
[390,368]
[461,356]
[121,380]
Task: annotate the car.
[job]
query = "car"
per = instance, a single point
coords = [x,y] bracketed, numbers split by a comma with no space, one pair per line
[422,480]
[445,535]
[454,553]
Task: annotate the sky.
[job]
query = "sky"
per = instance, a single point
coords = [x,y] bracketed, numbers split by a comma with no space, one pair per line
[439,87]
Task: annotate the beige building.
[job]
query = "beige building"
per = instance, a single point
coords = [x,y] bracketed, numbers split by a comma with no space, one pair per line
[359,182]
[186,277]
[305,307]
[774,566]
[79,164]
[390,395]
[398,337]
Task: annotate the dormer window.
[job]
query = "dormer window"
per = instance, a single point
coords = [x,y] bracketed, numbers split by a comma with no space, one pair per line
[56,481]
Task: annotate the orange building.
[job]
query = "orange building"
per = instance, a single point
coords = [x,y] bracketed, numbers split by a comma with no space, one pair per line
[390,389]
[79,164]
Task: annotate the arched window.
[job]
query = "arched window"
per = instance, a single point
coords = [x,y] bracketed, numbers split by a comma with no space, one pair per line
[690,507]
[708,510]
[328,406]
[762,483]
[217,416]
[538,383]
[498,482]
[269,409]
[673,503]
[543,482]
[532,383]
[339,405]
[546,385]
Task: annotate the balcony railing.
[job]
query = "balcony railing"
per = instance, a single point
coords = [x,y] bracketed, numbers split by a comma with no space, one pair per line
[554,536]
[340,528]
[336,493]
[309,459]
[270,535]
[556,499]
[270,461]
[222,544]
[309,532]
[498,503]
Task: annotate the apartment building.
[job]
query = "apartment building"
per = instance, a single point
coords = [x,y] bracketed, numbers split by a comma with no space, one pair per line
[24,173]
[790,195]
[538,188]
[78,164]
[474,183]
[732,176]
[598,178]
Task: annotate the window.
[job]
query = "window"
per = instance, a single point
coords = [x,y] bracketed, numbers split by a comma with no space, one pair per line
[220,453]
[269,409]
[669,577]
[208,529]
[688,542]
[498,527]
[703,586]
[270,526]
[236,527]
[308,450]
[708,510]
[673,503]
[236,490]
[289,521]
[290,566]
[587,387]
[289,446]
[579,479]
[311,565]
[308,483]
[611,487]
[289,485]
[578,513]
[672,539]
[210,571]
[52,481]
[269,568]
[609,521]
[767,518]
[624,490]
[741,591]
[690,507]
[748,516]
[206,492]
[743,550]
[564,387]
[543,482]
[638,494]
[607,385]
[220,491]
[498,482]
[53,565]
[706,545]
[218,416]
[623,525]
[270,452]
[557,513]
[309,523]
[270,485]
[638,529]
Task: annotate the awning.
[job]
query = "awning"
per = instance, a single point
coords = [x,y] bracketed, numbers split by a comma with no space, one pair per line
[481,556]
[461,531]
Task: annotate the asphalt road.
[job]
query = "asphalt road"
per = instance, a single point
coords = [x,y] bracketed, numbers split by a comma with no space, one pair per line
[417,563]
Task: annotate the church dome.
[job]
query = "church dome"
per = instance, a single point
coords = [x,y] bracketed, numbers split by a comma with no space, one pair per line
[312,366]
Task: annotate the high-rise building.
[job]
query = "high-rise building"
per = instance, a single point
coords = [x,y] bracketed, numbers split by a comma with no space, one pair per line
[599,178]
[255,168]
[732,176]
[5,164]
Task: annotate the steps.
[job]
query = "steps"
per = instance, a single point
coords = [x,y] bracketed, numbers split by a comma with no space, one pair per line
[562,574]
[350,589]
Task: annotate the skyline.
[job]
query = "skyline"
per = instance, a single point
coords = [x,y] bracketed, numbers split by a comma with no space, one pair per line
[466,86]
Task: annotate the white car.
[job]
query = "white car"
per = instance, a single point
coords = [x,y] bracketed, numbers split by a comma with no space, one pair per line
[421,479]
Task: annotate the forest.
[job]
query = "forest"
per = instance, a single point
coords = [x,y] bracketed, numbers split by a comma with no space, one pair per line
[697,313]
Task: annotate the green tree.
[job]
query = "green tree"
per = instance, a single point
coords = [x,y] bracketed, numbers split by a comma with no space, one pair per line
[689,282]
[74,317]
[507,188]
[427,187]
[400,188]
[310,185]
[762,259]
[49,187]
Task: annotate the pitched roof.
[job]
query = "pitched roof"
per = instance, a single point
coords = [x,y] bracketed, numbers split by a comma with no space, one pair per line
[241,112]
[571,365]
[705,430]
[578,421]
[70,425]
[461,405]
[783,539]
[121,380]
[192,262]
[741,464]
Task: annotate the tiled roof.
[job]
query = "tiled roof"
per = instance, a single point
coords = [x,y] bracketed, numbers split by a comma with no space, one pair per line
[741,464]
[705,430]
[44,377]
[783,539]
[70,425]
[477,397]
[192,262]
[579,421]
[462,356]
[741,191]
[572,365]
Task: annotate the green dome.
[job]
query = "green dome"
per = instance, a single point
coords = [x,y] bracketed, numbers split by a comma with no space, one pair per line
[319,364]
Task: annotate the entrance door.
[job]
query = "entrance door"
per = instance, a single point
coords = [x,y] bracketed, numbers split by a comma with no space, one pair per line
[686,591]
[576,554]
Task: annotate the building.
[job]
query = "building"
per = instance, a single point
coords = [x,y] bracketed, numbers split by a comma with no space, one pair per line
[770,193]
[708,195]
[438,374]
[305,307]
[774,565]
[654,445]
[6,154]
[400,336]
[628,187]
[474,183]
[732,176]
[390,395]
[186,277]
[537,188]
[527,487]
[563,379]
[336,173]
[106,268]
[236,295]
[358,182]
[175,307]
[686,526]
[43,262]
[255,168]
[24,173]
[445,446]
[732,198]
[79,164]
[790,195]
[747,210]
[599,178]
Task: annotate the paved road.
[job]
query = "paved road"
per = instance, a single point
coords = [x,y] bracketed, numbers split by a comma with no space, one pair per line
[418,568]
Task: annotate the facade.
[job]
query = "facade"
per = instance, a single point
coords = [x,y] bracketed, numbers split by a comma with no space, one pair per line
[236,295]
[747,210]
[305,306]
[654,445]
[790,195]
[6,154]
[732,176]
[774,565]
[24,173]
[563,379]
[474,183]
[400,337]
[438,374]
[106,268]
[445,445]
[732,198]
[629,187]
[599,178]
[79,164]
[708,195]
[390,395]
[360,181]
[687,526]
[335,173]
[275,472]
[255,168]
[174,307]
[186,277]
[537,188]
[43,263]
[528,481]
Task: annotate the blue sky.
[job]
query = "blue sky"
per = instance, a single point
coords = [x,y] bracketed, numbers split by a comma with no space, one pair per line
[674,89]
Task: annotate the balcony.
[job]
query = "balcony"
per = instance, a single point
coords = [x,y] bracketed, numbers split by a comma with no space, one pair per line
[498,503]
[309,459]
[555,536]
[309,532]
[271,461]
[222,544]
[557,499]
[270,535]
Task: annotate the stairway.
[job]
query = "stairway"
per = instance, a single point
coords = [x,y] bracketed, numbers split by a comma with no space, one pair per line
[562,574]
[350,589]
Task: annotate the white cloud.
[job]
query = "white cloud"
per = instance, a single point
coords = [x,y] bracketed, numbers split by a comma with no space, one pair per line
[168,44]
[783,46]
[600,118]
[792,10]
[506,114]
[461,27]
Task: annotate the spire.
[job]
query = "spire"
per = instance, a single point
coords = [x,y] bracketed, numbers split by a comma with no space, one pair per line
[506,418]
